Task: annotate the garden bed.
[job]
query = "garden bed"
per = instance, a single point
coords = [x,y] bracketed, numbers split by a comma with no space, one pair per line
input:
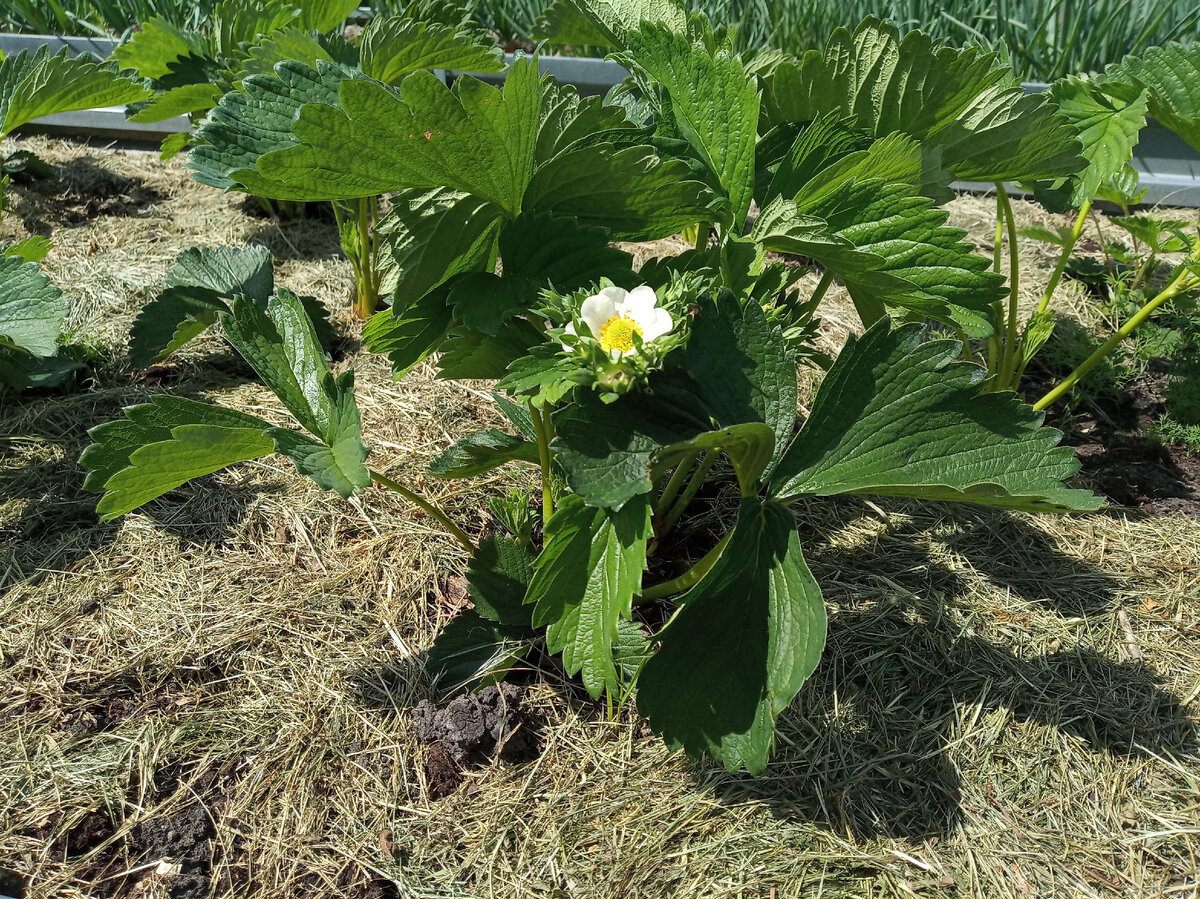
[224,681]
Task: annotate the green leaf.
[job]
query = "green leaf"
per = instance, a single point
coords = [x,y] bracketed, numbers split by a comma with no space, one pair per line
[606,449]
[392,47]
[713,104]
[1107,117]
[615,18]
[890,247]
[584,582]
[632,193]
[289,43]
[564,24]
[1171,76]
[283,348]
[172,145]
[471,652]
[568,119]
[192,300]
[336,463]
[187,99]
[257,119]
[31,308]
[499,574]
[430,236]
[742,367]
[21,371]
[158,44]
[31,249]
[153,422]
[191,451]
[473,138]
[748,636]
[475,355]
[964,105]
[226,271]
[41,85]
[898,417]
[409,335]
[323,15]
[481,452]
[169,321]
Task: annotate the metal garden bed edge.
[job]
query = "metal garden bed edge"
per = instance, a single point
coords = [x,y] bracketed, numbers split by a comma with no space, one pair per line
[1168,167]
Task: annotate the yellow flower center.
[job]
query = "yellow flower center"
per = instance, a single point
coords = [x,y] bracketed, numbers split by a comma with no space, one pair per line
[617,334]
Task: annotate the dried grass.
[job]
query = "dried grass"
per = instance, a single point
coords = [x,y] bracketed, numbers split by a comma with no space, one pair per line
[1007,706]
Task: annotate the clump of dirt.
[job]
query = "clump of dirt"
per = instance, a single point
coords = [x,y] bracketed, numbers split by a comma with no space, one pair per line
[182,840]
[469,729]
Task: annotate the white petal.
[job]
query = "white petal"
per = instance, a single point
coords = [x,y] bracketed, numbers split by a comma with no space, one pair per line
[658,323]
[597,310]
[640,303]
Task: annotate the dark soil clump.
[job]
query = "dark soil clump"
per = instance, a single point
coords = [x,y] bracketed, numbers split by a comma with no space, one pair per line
[470,729]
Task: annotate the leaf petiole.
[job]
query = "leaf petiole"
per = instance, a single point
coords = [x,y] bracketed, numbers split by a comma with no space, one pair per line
[688,579]
[458,533]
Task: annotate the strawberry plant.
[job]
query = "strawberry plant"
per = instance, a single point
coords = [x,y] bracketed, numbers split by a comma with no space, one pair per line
[631,389]
[31,308]
[238,49]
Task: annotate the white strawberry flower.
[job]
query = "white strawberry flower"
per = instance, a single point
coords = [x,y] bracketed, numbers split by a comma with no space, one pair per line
[614,315]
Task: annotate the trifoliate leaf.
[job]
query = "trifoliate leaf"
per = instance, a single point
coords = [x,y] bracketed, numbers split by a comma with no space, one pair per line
[568,118]
[963,104]
[1107,117]
[41,84]
[31,308]
[392,47]
[742,367]
[428,236]
[407,336]
[474,138]
[748,636]
[471,652]
[499,575]
[1171,76]
[481,452]
[713,104]
[606,449]
[584,582]
[633,193]
[898,417]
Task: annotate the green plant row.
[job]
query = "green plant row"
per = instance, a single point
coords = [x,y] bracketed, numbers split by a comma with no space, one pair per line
[1044,40]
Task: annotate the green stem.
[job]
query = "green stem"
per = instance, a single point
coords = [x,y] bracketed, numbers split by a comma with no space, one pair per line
[675,483]
[689,493]
[541,427]
[703,230]
[1180,284]
[993,363]
[364,302]
[1014,279]
[1065,256]
[822,287]
[1144,269]
[458,533]
[688,579]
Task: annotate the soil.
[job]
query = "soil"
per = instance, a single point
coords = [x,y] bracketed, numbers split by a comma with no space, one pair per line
[469,729]
[1120,461]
